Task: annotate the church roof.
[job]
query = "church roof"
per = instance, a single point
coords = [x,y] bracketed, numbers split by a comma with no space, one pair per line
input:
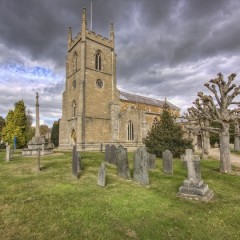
[145,100]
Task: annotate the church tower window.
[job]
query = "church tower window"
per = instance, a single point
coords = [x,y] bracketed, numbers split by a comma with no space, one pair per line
[130,131]
[98,61]
[74,108]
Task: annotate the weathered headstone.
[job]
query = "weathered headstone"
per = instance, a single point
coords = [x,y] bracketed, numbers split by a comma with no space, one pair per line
[113,154]
[80,161]
[167,158]
[101,147]
[122,163]
[75,162]
[8,152]
[102,176]
[140,166]
[107,153]
[193,187]
[152,161]
[197,166]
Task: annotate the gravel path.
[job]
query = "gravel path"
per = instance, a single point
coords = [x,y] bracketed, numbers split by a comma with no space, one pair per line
[214,152]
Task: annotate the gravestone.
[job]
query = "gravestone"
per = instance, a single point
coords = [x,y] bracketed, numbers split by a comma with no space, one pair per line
[152,161]
[80,162]
[193,187]
[167,158]
[107,153]
[8,153]
[140,166]
[197,166]
[113,154]
[75,162]
[122,163]
[102,176]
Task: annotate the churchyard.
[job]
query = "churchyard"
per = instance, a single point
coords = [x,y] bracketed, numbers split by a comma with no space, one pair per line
[55,204]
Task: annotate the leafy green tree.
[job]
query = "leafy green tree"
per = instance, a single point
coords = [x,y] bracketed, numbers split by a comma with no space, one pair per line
[16,125]
[55,133]
[44,130]
[166,134]
[8,130]
[2,125]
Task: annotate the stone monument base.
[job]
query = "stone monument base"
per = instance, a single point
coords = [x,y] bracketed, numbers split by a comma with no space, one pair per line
[35,144]
[195,190]
[34,152]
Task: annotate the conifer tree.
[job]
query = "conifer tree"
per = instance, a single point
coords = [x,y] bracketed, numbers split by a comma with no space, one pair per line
[55,133]
[166,134]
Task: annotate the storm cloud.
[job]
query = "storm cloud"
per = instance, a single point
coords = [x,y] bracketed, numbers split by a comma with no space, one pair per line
[164,48]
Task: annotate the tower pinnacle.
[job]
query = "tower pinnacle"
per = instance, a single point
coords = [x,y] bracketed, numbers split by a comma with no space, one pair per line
[112,32]
[69,35]
[84,19]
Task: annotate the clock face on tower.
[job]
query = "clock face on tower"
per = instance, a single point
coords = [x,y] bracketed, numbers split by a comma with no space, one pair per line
[99,83]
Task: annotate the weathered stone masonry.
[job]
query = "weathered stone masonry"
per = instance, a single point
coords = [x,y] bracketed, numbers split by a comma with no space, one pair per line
[94,111]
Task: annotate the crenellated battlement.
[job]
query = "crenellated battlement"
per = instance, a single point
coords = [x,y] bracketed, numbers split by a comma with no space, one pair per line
[92,36]
[99,38]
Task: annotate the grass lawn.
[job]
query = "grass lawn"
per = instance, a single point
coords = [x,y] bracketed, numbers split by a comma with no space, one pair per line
[51,204]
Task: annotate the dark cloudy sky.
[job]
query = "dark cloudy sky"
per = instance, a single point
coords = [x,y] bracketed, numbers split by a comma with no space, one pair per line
[165,48]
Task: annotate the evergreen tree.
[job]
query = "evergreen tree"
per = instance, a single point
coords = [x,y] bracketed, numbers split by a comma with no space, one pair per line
[55,133]
[166,134]
[16,125]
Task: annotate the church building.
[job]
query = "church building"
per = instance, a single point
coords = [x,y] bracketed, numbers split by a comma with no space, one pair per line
[94,111]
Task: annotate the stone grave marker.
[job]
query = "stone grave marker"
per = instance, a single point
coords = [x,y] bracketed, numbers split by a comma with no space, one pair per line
[193,187]
[167,158]
[152,161]
[113,154]
[122,163]
[107,153]
[75,162]
[80,161]
[102,175]
[140,166]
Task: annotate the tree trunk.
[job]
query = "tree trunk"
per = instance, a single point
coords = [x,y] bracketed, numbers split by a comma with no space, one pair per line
[236,137]
[225,161]
[205,145]
[236,144]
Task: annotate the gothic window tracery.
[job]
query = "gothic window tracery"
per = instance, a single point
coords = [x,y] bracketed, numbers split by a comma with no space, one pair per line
[98,61]
[130,131]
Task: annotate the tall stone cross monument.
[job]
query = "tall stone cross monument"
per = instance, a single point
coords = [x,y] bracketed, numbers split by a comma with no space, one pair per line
[37,132]
[37,142]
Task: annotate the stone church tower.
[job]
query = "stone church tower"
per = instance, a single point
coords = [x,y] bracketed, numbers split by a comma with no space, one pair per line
[94,111]
[90,98]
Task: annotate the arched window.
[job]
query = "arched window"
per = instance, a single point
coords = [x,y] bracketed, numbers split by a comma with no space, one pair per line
[75,63]
[130,131]
[98,61]
[74,108]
